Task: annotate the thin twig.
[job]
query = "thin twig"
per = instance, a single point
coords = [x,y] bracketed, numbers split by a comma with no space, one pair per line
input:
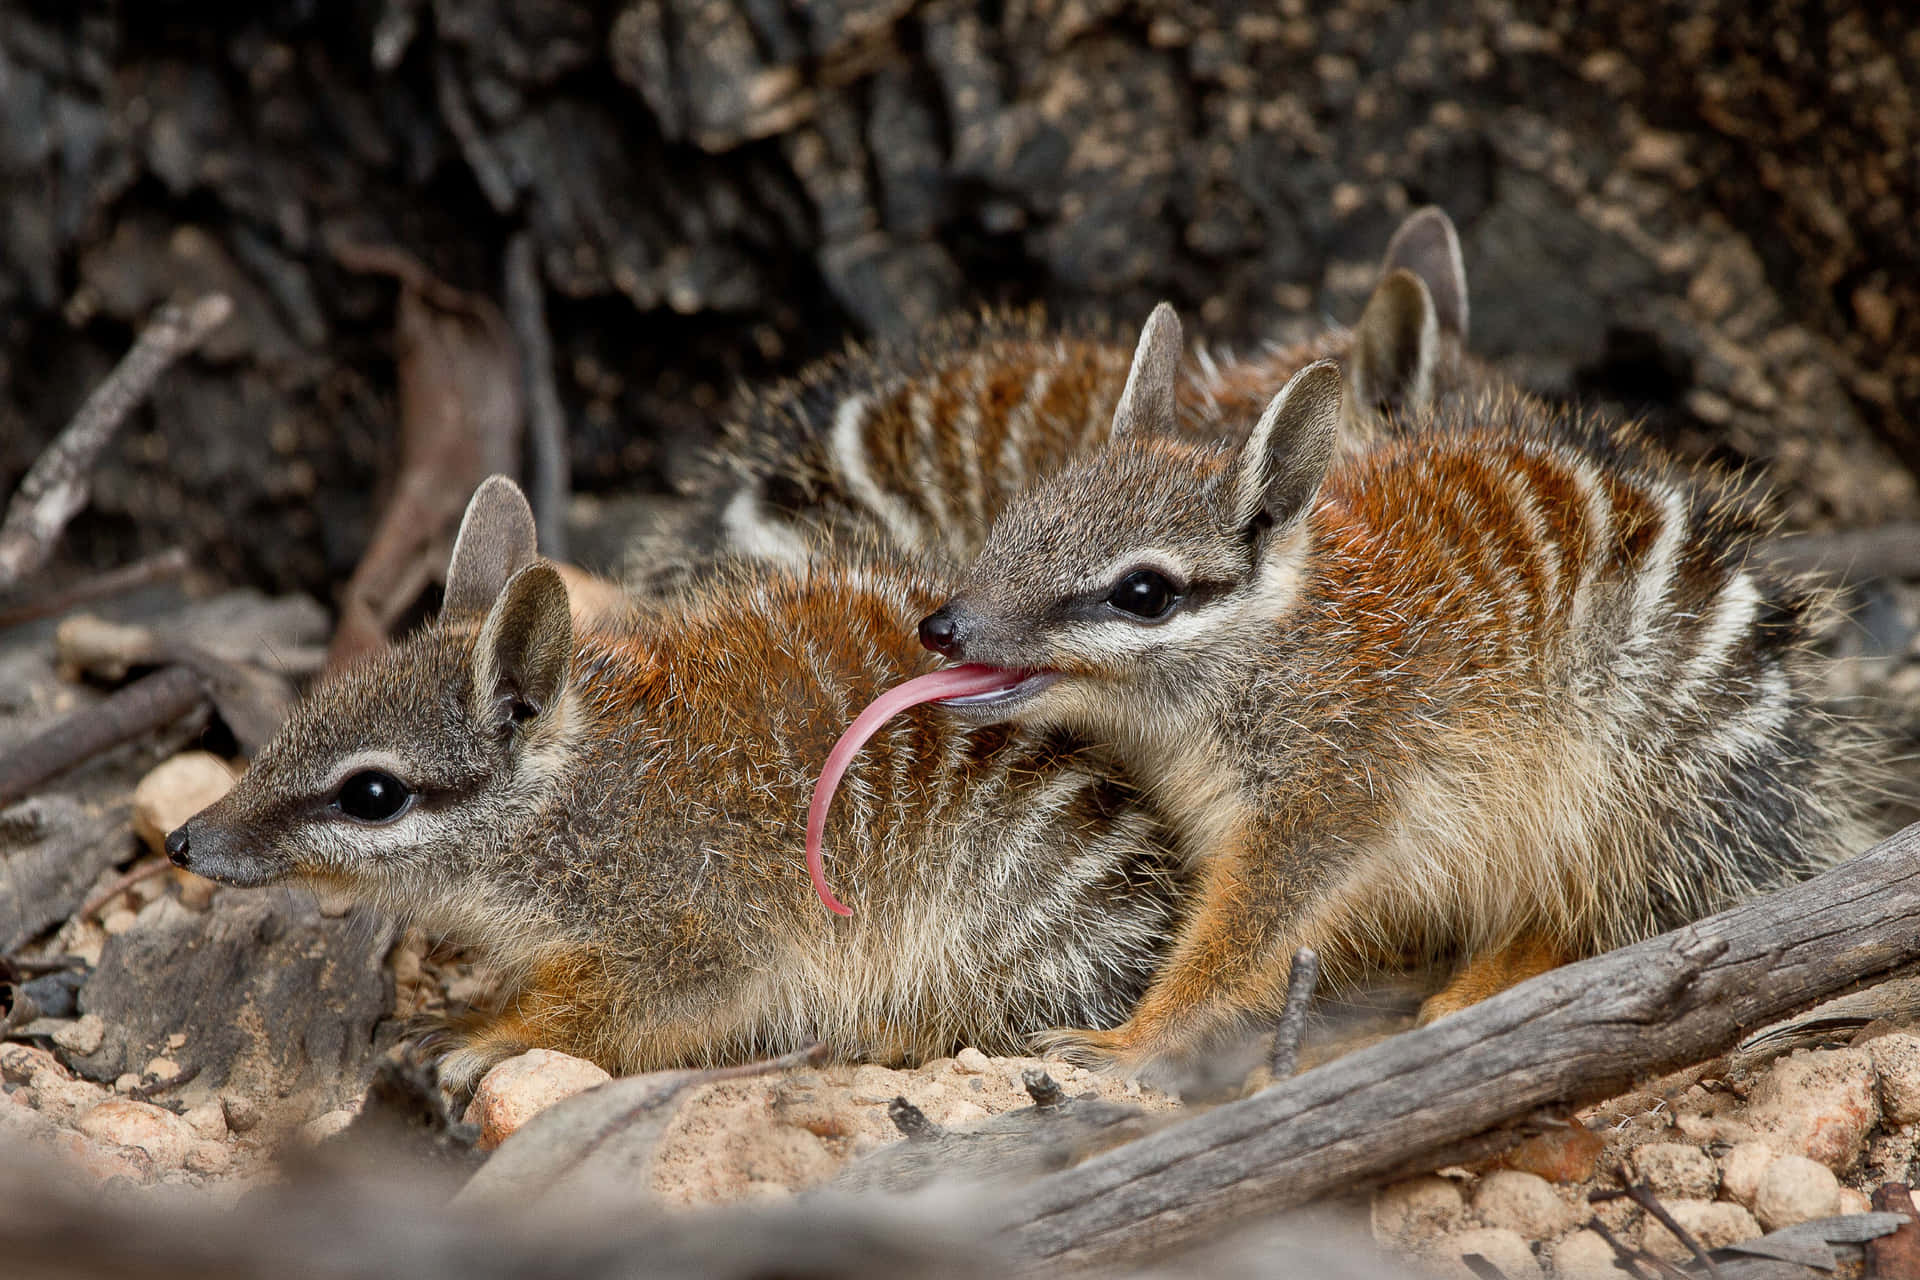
[147,1092]
[143,706]
[140,873]
[169,564]
[57,487]
[1642,1194]
[546,421]
[1302,980]
[1481,1267]
[911,1121]
[1628,1258]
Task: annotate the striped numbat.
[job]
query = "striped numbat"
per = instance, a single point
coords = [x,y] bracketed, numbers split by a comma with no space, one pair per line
[611,812]
[919,448]
[1500,693]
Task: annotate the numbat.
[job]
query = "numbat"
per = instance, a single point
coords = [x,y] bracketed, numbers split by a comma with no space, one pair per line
[1499,693]
[610,813]
[919,449]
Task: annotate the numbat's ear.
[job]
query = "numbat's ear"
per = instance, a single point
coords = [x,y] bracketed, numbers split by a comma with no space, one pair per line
[496,541]
[1147,402]
[520,663]
[1396,347]
[1286,457]
[1427,245]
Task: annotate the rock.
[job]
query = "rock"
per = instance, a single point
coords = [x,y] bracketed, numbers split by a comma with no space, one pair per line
[61,1097]
[208,1121]
[84,1036]
[1407,1212]
[123,1122]
[1714,1223]
[1522,1202]
[1741,1167]
[241,1112]
[1896,1061]
[1585,1256]
[1821,1104]
[321,1127]
[161,1069]
[20,1062]
[102,1161]
[520,1088]
[174,791]
[1852,1201]
[1677,1169]
[1795,1189]
[209,1158]
[1507,1250]
[1563,1155]
[972,1061]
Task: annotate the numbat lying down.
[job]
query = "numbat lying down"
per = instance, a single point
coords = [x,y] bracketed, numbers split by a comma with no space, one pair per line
[1501,692]
[611,815]
[919,449]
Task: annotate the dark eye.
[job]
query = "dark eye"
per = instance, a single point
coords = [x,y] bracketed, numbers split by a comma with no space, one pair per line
[373,796]
[1143,593]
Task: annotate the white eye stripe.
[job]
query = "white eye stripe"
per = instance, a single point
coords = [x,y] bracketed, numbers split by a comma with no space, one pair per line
[1161,562]
[363,761]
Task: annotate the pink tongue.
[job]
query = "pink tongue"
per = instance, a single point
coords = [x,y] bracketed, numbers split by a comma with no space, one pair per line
[951,682]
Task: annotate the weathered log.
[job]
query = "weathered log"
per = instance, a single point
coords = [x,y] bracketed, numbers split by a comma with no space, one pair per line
[1576,1034]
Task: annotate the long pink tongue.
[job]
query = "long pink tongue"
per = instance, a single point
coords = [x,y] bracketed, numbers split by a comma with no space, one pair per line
[950,682]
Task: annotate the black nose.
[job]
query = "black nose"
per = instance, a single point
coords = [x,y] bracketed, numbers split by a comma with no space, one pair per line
[938,633]
[177,846]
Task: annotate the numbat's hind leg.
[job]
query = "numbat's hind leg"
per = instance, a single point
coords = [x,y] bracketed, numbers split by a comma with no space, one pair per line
[1488,973]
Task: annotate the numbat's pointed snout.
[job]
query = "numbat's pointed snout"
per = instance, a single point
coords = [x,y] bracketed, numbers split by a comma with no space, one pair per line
[940,632]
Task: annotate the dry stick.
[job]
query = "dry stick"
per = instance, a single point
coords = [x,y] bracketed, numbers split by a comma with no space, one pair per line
[546,421]
[1889,551]
[1302,979]
[1574,1035]
[1896,1256]
[1642,1195]
[143,706]
[1626,1257]
[57,487]
[171,563]
[143,872]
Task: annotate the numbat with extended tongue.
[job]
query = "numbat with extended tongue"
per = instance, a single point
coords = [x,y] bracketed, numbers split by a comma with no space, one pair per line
[1500,693]
[609,810]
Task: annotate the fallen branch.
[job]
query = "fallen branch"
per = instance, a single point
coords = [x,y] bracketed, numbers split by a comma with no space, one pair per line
[57,487]
[145,705]
[1577,1034]
[169,564]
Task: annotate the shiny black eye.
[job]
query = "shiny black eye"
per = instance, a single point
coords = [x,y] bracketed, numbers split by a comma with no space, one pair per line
[1143,593]
[373,796]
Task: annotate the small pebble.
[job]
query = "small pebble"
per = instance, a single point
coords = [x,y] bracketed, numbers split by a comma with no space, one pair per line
[1522,1202]
[162,1068]
[1896,1061]
[1408,1211]
[242,1113]
[209,1158]
[1507,1250]
[1677,1169]
[118,921]
[19,1062]
[83,1037]
[1741,1167]
[1715,1224]
[126,1123]
[972,1061]
[1585,1256]
[208,1121]
[520,1088]
[1821,1104]
[1795,1189]
[174,791]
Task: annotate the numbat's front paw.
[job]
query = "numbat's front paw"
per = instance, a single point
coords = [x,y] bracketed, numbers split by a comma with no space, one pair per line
[1112,1052]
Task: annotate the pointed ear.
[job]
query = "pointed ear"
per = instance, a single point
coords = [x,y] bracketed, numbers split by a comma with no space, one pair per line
[1286,457]
[1147,402]
[1396,346]
[496,541]
[1427,245]
[521,660]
